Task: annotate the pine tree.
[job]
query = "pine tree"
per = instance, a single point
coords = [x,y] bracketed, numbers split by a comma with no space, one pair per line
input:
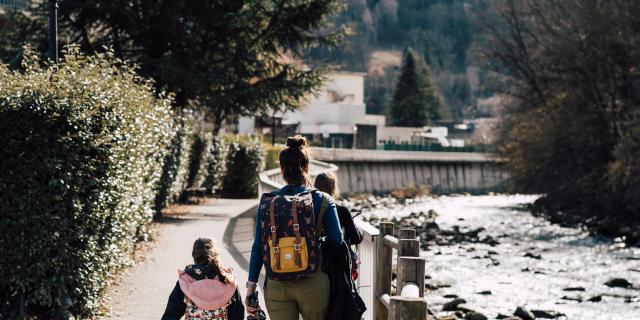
[415,101]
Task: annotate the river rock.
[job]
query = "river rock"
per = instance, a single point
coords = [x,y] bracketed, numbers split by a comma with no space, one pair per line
[532,256]
[524,314]
[618,283]
[547,314]
[595,299]
[574,289]
[453,304]
[485,292]
[577,299]
[450,296]
[504,317]
[475,316]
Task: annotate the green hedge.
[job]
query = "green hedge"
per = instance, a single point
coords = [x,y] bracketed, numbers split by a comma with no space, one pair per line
[245,160]
[272,159]
[83,146]
[175,170]
[216,164]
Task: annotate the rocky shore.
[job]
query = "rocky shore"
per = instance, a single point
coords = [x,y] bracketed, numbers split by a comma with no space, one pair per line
[628,230]
[469,246]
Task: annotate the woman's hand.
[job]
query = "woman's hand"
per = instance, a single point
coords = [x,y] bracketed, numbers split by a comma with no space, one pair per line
[251,300]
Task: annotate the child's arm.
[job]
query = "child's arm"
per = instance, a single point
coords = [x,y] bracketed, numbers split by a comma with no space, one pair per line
[175,306]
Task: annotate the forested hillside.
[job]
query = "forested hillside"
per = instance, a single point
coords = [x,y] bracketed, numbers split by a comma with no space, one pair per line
[447,33]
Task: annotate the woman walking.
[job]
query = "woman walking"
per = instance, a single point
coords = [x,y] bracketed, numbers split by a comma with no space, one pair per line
[289,223]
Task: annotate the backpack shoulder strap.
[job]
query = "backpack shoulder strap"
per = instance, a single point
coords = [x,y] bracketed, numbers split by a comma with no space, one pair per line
[323,209]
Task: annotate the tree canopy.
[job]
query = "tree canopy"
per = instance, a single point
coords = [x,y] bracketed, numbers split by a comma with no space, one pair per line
[228,57]
[570,125]
[415,100]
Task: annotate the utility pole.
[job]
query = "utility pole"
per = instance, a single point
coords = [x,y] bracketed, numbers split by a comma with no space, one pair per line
[53,30]
[273,128]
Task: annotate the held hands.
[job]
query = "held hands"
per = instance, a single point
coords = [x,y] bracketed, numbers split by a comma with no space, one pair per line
[251,300]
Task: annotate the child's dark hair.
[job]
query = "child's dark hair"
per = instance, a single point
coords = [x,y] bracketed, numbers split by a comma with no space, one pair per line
[326,182]
[205,252]
[294,161]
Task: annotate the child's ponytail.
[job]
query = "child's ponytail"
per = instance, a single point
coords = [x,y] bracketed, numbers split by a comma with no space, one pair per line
[205,252]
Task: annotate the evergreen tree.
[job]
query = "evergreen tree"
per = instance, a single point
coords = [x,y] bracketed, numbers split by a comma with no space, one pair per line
[415,101]
[227,57]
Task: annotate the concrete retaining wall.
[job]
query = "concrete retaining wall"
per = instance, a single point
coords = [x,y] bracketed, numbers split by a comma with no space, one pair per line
[445,173]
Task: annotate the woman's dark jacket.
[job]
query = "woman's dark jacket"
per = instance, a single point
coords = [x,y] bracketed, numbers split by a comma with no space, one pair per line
[344,301]
[176,305]
[351,235]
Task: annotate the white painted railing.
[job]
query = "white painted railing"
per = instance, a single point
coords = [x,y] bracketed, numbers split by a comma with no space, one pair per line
[367,277]
[272,179]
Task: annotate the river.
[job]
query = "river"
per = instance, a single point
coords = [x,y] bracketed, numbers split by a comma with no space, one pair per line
[534,263]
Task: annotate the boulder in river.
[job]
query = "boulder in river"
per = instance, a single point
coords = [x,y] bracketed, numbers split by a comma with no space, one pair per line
[532,256]
[618,283]
[524,314]
[577,299]
[485,292]
[574,289]
[475,316]
[453,304]
[542,314]
[450,296]
[595,299]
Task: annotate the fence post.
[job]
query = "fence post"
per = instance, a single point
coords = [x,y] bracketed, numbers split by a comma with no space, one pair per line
[382,283]
[407,308]
[406,233]
[411,269]
[406,248]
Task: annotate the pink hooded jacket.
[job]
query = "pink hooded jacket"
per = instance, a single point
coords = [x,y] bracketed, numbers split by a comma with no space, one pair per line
[207,294]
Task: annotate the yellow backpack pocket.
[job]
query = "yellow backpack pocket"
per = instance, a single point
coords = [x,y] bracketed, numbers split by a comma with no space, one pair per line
[288,257]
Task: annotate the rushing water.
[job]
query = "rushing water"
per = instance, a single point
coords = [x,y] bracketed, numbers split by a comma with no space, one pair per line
[569,258]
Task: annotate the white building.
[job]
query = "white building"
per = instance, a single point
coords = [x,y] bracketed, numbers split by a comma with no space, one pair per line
[331,115]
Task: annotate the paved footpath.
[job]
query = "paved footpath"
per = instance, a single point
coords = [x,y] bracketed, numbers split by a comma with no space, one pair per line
[143,290]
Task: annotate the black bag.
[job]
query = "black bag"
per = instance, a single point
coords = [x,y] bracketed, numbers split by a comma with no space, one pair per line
[235,311]
[344,301]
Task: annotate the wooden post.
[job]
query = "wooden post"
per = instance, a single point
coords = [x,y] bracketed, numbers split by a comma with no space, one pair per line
[407,308]
[408,248]
[407,233]
[411,269]
[382,283]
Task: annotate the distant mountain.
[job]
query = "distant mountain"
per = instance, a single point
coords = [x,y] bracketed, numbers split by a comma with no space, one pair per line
[448,33]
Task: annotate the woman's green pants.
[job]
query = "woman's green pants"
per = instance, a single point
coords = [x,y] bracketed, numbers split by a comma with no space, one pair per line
[309,297]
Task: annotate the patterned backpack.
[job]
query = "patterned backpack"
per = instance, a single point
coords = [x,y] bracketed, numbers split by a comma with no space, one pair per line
[290,234]
[194,312]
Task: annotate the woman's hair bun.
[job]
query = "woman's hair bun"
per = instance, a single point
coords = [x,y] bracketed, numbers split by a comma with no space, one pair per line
[296,142]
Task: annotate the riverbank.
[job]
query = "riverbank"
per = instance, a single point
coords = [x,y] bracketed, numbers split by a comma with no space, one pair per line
[628,230]
[488,256]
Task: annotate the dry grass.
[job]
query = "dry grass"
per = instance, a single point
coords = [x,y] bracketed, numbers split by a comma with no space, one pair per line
[380,60]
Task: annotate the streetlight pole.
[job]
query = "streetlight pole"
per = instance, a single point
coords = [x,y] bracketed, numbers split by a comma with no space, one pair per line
[355,134]
[53,30]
